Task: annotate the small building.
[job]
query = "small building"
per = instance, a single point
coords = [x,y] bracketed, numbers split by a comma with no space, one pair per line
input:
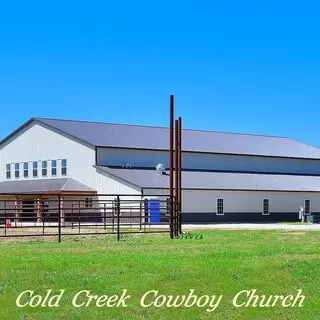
[225,176]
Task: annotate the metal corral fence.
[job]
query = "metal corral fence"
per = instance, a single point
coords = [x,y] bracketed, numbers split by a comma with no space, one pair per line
[69,214]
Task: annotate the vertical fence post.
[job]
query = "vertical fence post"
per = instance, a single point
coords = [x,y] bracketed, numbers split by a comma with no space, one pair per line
[168,209]
[59,218]
[5,218]
[105,216]
[79,217]
[113,203]
[140,214]
[43,218]
[118,217]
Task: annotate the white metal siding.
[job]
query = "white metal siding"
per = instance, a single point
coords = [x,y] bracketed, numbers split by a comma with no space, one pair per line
[37,143]
[244,201]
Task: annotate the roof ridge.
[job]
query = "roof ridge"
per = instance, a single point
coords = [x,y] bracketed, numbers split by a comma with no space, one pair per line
[64,186]
[161,127]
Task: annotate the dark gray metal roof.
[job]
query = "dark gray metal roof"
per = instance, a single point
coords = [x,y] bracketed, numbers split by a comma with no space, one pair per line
[218,180]
[43,186]
[146,137]
[134,136]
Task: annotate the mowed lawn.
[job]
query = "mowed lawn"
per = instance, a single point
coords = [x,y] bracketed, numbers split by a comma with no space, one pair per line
[222,263]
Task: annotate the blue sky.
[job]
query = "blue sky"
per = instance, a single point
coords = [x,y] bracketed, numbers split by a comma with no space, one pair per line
[240,66]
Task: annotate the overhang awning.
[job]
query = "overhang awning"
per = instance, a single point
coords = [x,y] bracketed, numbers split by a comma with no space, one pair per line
[58,185]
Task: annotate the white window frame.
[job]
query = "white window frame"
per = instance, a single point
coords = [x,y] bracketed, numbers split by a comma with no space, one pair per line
[88,202]
[217,212]
[44,168]
[304,207]
[17,170]
[54,168]
[35,169]
[266,214]
[64,167]
[26,170]
[8,171]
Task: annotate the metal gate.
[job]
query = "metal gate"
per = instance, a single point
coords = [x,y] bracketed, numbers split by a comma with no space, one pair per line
[59,215]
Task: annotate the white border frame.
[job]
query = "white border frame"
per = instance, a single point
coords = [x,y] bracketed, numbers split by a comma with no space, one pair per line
[219,214]
[10,170]
[304,207]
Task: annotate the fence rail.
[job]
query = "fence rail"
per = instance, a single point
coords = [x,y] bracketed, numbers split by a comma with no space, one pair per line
[67,215]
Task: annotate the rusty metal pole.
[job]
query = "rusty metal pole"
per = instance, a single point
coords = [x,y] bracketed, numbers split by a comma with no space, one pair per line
[171,163]
[180,172]
[176,176]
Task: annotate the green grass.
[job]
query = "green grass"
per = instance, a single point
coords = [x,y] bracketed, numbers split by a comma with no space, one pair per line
[222,263]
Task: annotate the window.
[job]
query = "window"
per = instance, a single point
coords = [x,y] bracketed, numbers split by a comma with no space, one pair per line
[88,202]
[64,167]
[220,211]
[25,169]
[35,169]
[44,168]
[54,167]
[17,170]
[307,207]
[8,171]
[265,207]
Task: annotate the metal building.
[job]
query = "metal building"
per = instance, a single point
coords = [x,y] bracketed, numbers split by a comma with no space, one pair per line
[225,176]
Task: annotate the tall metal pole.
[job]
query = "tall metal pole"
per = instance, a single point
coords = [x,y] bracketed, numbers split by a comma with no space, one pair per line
[180,172]
[171,162]
[176,176]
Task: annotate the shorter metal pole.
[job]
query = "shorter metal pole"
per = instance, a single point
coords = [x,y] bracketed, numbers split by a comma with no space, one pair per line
[118,217]
[105,216]
[114,212]
[59,219]
[78,218]
[43,218]
[5,218]
[140,218]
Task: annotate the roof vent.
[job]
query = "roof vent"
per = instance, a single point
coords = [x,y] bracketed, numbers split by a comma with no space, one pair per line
[160,169]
